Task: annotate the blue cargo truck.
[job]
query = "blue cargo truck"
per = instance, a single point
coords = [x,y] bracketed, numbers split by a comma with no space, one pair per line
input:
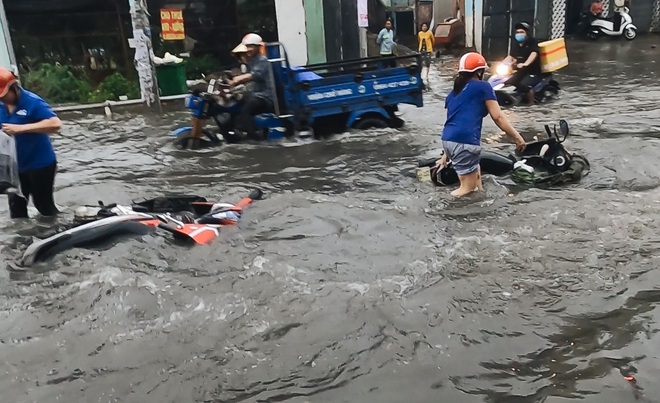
[322,98]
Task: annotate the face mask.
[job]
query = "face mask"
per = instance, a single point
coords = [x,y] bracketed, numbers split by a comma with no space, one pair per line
[520,37]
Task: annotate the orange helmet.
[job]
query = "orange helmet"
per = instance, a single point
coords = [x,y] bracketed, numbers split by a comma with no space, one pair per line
[7,79]
[471,62]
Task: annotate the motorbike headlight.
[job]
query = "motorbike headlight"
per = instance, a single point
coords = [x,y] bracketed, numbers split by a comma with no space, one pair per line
[502,70]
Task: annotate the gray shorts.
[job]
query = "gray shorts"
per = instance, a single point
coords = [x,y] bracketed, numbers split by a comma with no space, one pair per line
[464,157]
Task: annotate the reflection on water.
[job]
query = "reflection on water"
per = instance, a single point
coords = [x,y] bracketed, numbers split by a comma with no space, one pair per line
[350,281]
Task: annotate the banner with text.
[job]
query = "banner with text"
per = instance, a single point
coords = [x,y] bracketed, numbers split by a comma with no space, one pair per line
[363,16]
[171,23]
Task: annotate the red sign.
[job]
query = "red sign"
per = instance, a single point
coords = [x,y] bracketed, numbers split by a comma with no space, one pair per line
[171,23]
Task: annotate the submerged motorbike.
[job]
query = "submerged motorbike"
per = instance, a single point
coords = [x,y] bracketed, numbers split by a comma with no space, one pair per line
[189,218]
[508,95]
[547,156]
[620,24]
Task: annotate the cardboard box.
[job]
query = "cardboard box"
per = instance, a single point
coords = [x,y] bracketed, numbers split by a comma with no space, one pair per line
[553,55]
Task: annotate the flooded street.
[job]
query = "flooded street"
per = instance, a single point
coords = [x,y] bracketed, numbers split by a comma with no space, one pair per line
[351,281]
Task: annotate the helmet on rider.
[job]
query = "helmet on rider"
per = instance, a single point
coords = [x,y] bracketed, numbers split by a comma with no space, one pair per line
[7,79]
[252,39]
[524,26]
[471,62]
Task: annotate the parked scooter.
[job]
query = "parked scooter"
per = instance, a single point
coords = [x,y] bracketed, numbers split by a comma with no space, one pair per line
[606,26]
[507,95]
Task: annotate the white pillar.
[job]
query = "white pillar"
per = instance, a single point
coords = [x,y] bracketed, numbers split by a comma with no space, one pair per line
[144,54]
[7,56]
[291,29]
[364,47]
[363,24]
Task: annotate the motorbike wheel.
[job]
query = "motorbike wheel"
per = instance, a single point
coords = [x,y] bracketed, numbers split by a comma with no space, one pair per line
[185,142]
[630,33]
[504,100]
[548,94]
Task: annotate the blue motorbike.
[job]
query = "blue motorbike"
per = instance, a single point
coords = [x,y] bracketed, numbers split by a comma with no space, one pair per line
[507,94]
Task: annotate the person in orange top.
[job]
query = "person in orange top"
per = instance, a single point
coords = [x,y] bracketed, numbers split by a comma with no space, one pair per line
[425,41]
[596,8]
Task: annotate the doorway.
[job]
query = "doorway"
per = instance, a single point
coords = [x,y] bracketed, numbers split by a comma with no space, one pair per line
[499,17]
[573,10]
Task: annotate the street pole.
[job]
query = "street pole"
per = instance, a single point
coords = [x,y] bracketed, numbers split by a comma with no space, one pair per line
[144,54]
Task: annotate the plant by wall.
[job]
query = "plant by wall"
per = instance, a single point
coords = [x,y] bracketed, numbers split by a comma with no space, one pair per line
[115,86]
[59,84]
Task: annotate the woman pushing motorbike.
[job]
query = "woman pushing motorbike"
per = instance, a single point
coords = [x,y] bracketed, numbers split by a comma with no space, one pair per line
[467,104]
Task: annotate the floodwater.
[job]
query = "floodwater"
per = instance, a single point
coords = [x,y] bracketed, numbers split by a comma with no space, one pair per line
[351,281]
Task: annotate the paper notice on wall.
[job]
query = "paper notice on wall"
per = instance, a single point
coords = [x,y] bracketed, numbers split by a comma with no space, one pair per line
[363,16]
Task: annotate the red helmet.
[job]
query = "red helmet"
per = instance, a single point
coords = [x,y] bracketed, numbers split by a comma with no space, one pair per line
[471,62]
[7,79]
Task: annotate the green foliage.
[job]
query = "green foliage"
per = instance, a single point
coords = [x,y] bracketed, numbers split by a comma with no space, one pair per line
[58,84]
[196,66]
[114,86]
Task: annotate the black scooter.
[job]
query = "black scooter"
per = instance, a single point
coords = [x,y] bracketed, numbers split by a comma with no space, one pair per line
[549,155]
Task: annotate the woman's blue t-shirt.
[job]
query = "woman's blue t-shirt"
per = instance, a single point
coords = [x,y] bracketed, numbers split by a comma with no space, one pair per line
[465,112]
[33,150]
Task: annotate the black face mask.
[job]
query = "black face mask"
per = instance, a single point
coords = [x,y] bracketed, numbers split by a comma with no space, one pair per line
[480,75]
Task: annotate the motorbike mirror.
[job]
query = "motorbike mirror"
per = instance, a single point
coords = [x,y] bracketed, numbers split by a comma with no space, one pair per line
[563,128]
[547,130]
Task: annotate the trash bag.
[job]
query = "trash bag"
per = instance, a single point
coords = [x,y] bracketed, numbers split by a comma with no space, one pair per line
[9,180]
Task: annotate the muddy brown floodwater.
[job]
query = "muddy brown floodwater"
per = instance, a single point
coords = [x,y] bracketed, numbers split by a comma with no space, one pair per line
[351,281]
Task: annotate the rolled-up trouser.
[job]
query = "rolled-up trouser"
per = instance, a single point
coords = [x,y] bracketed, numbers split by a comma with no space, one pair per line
[464,157]
[38,184]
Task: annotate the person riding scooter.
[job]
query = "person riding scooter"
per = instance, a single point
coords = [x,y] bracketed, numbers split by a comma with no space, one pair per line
[259,98]
[525,56]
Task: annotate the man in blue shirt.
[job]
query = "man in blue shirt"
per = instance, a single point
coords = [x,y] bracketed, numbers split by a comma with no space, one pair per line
[30,120]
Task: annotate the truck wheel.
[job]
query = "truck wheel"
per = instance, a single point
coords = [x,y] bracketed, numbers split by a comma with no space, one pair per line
[371,123]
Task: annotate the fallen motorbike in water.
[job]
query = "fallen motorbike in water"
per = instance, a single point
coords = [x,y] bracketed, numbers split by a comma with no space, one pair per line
[507,95]
[542,163]
[187,217]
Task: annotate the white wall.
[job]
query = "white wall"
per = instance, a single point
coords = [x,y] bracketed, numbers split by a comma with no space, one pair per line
[7,58]
[291,29]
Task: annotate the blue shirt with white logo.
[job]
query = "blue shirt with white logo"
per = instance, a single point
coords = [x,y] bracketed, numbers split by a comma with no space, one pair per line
[34,150]
[465,112]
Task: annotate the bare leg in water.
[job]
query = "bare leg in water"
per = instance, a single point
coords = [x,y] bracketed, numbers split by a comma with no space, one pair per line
[469,183]
[480,185]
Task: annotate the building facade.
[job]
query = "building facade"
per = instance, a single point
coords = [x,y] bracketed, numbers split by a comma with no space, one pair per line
[489,23]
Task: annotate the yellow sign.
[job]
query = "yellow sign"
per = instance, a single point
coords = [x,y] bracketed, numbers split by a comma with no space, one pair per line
[171,23]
